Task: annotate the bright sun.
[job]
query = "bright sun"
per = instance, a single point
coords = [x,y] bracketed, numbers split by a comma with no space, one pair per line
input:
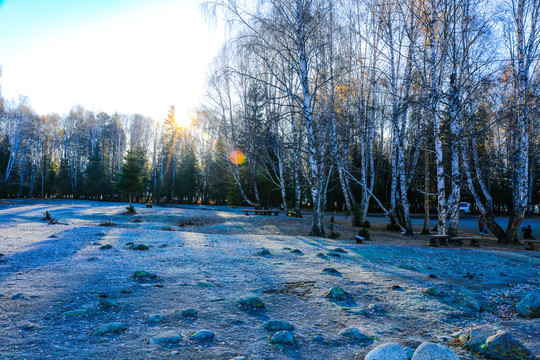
[183,121]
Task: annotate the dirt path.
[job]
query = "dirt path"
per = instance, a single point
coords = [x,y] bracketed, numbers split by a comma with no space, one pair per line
[211,260]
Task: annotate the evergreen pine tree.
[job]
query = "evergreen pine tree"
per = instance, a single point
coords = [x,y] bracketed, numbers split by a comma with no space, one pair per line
[95,174]
[131,179]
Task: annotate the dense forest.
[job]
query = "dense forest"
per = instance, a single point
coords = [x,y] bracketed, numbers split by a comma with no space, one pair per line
[374,105]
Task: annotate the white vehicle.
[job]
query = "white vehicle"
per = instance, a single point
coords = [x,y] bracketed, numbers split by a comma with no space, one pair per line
[464,208]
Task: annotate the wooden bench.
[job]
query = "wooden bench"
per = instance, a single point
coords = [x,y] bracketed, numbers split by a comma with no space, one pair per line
[148,205]
[359,239]
[435,240]
[458,240]
[529,243]
[261,212]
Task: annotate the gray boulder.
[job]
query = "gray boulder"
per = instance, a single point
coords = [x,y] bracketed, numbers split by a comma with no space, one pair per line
[530,305]
[432,351]
[494,343]
[284,337]
[250,301]
[353,334]
[387,352]
[167,338]
[277,325]
[203,335]
[111,328]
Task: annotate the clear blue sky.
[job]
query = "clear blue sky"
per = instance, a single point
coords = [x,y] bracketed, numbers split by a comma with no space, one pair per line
[130,56]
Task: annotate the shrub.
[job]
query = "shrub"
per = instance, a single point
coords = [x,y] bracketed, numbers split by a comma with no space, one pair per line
[393,226]
[363,232]
[366,224]
[356,215]
[131,209]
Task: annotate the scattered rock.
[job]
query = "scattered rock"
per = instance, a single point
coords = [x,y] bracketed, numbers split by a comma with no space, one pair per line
[114,328]
[318,338]
[409,352]
[239,358]
[387,351]
[277,325]
[432,291]
[140,247]
[336,293]
[494,343]
[125,291]
[432,276]
[76,312]
[353,334]
[321,255]
[432,351]
[297,252]
[30,327]
[263,252]
[106,247]
[331,271]
[340,250]
[93,258]
[202,335]
[107,303]
[396,287]
[333,254]
[530,305]
[189,313]
[283,338]
[250,301]
[154,318]
[205,284]
[235,321]
[130,244]
[162,246]
[17,296]
[143,276]
[167,338]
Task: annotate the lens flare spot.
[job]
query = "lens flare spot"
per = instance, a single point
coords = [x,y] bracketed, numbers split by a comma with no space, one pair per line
[237,157]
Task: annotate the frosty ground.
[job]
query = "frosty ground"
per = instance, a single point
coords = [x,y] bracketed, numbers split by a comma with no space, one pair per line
[206,258]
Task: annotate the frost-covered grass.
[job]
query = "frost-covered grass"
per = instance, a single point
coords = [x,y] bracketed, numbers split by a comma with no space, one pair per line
[209,259]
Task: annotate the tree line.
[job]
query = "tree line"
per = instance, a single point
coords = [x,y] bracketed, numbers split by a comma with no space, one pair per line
[371,105]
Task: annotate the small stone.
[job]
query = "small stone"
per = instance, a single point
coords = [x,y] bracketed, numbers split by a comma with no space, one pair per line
[130,243]
[189,313]
[387,351]
[167,338]
[530,305]
[142,276]
[106,247]
[336,293]
[205,284]
[140,247]
[277,325]
[76,312]
[318,338]
[432,351]
[297,252]
[263,252]
[432,291]
[162,246]
[356,335]
[93,258]
[250,301]
[333,254]
[396,287]
[154,318]
[340,250]
[409,352]
[203,335]
[17,296]
[239,358]
[30,327]
[235,321]
[331,271]
[114,328]
[107,303]
[321,255]
[283,338]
